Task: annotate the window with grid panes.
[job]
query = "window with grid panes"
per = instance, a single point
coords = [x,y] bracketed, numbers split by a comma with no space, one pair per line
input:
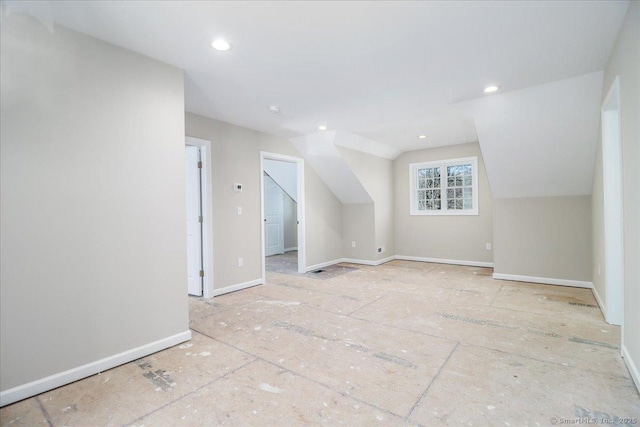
[444,187]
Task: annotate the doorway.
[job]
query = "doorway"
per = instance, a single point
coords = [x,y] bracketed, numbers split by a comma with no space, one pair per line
[613,225]
[199,237]
[282,207]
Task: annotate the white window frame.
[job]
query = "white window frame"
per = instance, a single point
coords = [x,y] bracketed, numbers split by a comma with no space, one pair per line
[442,164]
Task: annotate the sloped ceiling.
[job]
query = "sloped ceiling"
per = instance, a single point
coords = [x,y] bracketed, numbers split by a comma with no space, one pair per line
[320,152]
[540,141]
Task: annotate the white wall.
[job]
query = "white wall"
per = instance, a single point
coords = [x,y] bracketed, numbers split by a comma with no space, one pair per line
[459,238]
[625,62]
[92,211]
[235,157]
[284,174]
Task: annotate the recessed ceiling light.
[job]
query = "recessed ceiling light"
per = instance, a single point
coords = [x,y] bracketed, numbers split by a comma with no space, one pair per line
[422,136]
[490,89]
[322,127]
[221,45]
[274,109]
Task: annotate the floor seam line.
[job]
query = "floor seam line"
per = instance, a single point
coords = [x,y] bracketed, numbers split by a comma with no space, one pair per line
[44,411]
[189,393]
[367,305]
[424,393]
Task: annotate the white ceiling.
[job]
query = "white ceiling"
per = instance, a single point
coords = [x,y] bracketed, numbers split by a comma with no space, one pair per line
[386,71]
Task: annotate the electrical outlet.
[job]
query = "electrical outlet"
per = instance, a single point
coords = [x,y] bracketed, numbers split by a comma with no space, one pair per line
[240,262]
[237,187]
[381,250]
[488,246]
[239,210]
[353,244]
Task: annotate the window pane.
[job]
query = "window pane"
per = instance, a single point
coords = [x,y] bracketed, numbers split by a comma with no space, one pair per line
[450,193]
[436,182]
[437,205]
[458,203]
[436,172]
[436,194]
[422,205]
[422,183]
[467,193]
[451,182]
[458,193]
[422,173]
[459,181]
[467,170]
[468,203]
[422,195]
[451,204]
[467,180]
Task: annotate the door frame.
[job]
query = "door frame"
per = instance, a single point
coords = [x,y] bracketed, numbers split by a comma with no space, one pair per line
[613,216]
[207,213]
[300,208]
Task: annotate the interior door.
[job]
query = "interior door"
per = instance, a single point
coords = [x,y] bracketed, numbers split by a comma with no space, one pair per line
[194,226]
[274,217]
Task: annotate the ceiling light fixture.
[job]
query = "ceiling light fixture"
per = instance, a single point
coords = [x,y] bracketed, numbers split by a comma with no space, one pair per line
[274,109]
[221,44]
[322,127]
[422,136]
[491,89]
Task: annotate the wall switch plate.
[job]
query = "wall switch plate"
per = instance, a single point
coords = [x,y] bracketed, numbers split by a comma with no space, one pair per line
[237,187]
[239,210]
[353,244]
[488,246]
[240,262]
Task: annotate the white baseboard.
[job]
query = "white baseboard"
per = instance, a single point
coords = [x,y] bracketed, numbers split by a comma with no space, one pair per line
[239,286]
[445,261]
[367,262]
[290,249]
[48,383]
[633,368]
[543,280]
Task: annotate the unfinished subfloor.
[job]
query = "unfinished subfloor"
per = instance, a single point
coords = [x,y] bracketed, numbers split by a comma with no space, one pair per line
[404,343]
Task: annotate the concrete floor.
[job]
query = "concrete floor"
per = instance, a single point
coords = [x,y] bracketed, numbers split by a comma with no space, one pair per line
[405,343]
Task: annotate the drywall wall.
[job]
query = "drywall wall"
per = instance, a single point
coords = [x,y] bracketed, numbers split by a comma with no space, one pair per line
[544,237]
[458,238]
[625,62]
[93,206]
[376,175]
[290,223]
[358,228]
[235,157]
[284,174]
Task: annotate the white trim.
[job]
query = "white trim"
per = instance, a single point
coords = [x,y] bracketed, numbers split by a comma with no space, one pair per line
[543,280]
[53,381]
[323,264]
[300,203]
[367,262]
[295,248]
[603,307]
[613,199]
[207,213]
[633,368]
[413,176]
[445,261]
[238,287]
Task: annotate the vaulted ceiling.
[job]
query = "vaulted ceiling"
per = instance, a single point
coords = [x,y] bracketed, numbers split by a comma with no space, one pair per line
[383,71]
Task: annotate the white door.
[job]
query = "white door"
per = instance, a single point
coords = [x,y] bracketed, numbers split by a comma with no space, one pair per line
[273,217]
[194,226]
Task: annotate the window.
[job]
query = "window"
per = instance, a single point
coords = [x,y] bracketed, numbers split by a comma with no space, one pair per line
[444,187]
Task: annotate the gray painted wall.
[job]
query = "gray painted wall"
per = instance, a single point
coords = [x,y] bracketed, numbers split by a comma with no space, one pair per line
[625,62]
[93,201]
[461,238]
[548,237]
[376,175]
[235,157]
[290,222]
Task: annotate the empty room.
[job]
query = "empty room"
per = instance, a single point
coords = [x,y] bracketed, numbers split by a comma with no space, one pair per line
[291,213]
